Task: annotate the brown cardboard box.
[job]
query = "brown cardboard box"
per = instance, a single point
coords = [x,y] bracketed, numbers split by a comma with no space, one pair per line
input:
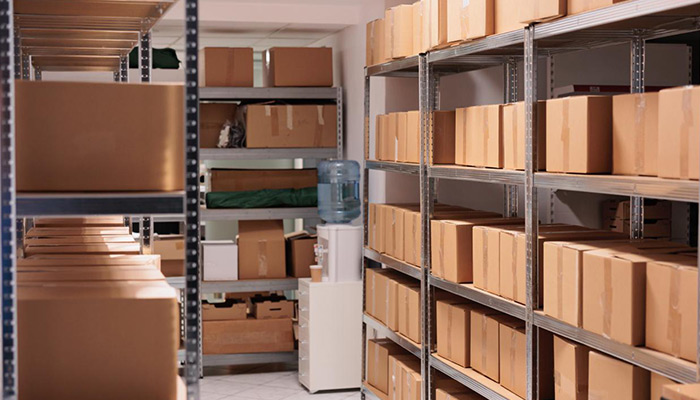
[67,240]
[300,254]
[381,126]
[388,228]
[660,228]
[271,126]
[455,12]
[169,247]
[609,378]
[485,342]
[480,19]
[378,353]
[507,16]
[411,380]
[413,137]
[462,394]
[298,67]
[653,209]
[461,136]
[375,42]
[514,136]
[437,22]
[417,27]
[657,384]
[412,231]
[401,139]
[452,250]
[241,180]
[579,6]
[541,10]
[370,302]
[396,372]
[226,66]
[486,251]
[681,392]
[671,312]
[484,136]
[425,26]
[679,150]
[388,33]
[579,134]
[270,307]
[374,233]
[172,267]
[92,273]
[402,31]
[570,370]
[513,358]
[77,231]
[391,137]
[95,135]
[261,252]
[443,140]
[212,117]
[247,336]
[231,310]
[80,222]
[409,311]
[90,248]
[635,134]
[94,358]
[454,331]
[79,260]
[614,310]
[381,294]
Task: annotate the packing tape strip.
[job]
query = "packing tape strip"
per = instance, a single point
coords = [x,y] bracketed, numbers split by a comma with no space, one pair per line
[386,298]
[441,251]
[262,258]
[485,256]
[320,126]
[290,117]
[565,134]
[376,363]
[485,134]
[685,132]
[560,281]
[465,134]
[484,342]
[374,294]
[675,318]
[606,298]
[515,121]
[514,265]
[640,105]
[512,355]
[567,387]
[449,331]
[268,111]
[274,121]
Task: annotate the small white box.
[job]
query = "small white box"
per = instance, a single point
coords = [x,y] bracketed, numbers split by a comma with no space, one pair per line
[220,260]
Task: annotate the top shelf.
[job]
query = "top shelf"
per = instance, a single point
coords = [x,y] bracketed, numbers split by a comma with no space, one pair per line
[268,93]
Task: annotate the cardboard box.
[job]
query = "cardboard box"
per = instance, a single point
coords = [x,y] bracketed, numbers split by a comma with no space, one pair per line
[514,136]
[486,251]
[657,384]
[300,254]
[671,313]
[570,370]
[484,136]
[635,134]
[49,274]
[411,379]
[453,331]
[417,45]
[461,136]
[541,10]
[681,392]
[212,117]
[388,34]
[89,248]
[507,16]
[271,307]
[271,126]
[378,353]
[579,135]
[462,394]
[242,180]
[615,311]
[230,310]
[374,233]
[94,134]
[94,358]
[396,373]
[68,240]
[679,151]
[609,378]
[437,23]
[513,357]
[452,250]
[479,20]
[391,137]
[76,231]
[653,209]
[226,66]
[409,311]
[412,237]
[370,302]
[443,140]
[485,342]
[401,139]
[381,294]
[170,248]
[579,6]
[413,137]
[425,26]
[375,42]
[298,67]
[455,13]
[660,228]
[261,252]
[380,128]
[219,260]
[247,336]
[80,222]
[171,268]
[402,31]
[86,260]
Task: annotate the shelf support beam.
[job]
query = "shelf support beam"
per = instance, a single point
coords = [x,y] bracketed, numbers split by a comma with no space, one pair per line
[145,57]
[638,66]
[124,69]
[510,85]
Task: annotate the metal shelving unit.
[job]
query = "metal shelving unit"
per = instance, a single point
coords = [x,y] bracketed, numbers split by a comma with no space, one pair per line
[390,262]
[381,329]
[632,22]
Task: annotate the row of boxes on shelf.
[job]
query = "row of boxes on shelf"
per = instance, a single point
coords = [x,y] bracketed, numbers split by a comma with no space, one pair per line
[394,300]
[582,134]
[228,328]
[104,315]
[280,256]
[407,30]
[282,67]
[657,217]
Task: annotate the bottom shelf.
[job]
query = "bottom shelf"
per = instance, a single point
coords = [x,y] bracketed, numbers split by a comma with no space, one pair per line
[406,343]
[372,393]
[472,379]
[216,360]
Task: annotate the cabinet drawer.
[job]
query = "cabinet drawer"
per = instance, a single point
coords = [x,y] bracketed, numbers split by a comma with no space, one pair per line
[304,302]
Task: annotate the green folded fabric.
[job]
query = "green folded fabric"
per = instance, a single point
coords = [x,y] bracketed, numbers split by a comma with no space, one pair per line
[268,198]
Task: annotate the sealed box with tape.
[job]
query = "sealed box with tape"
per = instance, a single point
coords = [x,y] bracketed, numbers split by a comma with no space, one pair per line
[679,151]
[275,126]
[609,378]
[635,134]
[261,252]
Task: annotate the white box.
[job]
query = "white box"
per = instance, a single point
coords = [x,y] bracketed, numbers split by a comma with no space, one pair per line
[219,260]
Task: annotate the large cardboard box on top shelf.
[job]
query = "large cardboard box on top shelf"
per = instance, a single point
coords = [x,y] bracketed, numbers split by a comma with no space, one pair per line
[226,66]
[402,31]
[514,136]
[571,370]
[579,6]
[579,134]
[247,336]
[92,357]
[635,134]
[479,19]
[261,252]
[541,10]
[298,67]
[235,180]
[171,249]
[679,149]
[375,42]
[609,378]
[507,16]
[274,126]
[95,136]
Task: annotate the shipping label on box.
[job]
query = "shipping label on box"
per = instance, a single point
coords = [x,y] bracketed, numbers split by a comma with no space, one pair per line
[635,134]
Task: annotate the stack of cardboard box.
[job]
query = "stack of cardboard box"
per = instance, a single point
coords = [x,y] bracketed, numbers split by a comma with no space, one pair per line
[105,317]
[394,300]
[657,217]
[392,372]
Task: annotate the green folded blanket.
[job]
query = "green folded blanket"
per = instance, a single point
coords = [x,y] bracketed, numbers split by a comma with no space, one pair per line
[268,198]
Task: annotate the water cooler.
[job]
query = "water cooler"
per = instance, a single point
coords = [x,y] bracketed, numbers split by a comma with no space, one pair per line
[339,252]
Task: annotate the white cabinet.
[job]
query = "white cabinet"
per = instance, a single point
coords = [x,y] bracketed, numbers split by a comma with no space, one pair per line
[330,335]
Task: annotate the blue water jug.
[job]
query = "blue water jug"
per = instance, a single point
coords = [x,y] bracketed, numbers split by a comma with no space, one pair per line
[339,191]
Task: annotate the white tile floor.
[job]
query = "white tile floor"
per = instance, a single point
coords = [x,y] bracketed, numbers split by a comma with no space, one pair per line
[271,382]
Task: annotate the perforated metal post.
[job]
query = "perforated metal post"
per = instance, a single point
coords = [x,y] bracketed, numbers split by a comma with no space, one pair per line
[365,218]
[146,235]
[37,74]
[637,65]
[340,122]
[510,85]
[145,56]
[17,56]
[124,69]
[531,211]
[7,201]
[25,66]
[193,323]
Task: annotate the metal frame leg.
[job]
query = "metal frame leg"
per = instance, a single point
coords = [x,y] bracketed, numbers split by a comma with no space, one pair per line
[637,66]
[37,74]
[510,85]
[341,123]
[26,66]
[146,235]
[124,69]
[145,57]
[365,218]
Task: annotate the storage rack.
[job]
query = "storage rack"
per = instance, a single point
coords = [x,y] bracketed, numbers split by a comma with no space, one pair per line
[631,22]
